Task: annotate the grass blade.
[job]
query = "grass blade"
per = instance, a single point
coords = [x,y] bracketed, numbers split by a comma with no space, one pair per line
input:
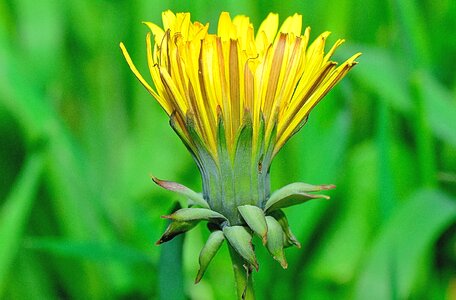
[439,106]
[409,234]
[170,271]
[96,251]
[14,214]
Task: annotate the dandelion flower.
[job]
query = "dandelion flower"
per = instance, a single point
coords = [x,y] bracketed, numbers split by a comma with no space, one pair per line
[235,98]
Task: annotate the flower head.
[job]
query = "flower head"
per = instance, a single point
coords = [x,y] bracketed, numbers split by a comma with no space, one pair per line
[235,98]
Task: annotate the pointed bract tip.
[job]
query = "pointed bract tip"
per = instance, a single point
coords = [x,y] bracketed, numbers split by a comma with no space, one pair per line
[282,260]
[317,196]
[170,217]
[155,179]
[256,266]
[199,276]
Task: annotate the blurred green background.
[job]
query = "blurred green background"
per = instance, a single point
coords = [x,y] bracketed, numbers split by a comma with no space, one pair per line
[79,214]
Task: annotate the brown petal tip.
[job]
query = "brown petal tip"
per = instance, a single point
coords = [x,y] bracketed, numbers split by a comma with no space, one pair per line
[328,186]
[264,239]
[256,266]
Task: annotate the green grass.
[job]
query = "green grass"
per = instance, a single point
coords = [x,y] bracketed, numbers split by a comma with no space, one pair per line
[79,214]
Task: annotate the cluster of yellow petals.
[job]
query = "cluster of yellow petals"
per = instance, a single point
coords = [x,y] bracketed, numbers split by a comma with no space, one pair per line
[276,74]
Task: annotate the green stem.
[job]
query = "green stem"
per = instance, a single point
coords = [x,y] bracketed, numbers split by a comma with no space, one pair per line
[243,278]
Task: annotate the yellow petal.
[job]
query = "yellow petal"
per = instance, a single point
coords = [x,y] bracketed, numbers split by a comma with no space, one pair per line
[292,25]
[138,75]
[269,27]
[182,25]
[226,30]
[156,31]
[168,18]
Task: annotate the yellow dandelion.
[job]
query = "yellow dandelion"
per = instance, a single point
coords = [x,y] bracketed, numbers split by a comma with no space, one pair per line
[275,75]
[235,98]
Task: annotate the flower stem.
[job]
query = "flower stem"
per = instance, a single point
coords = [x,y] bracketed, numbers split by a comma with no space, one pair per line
[242,276]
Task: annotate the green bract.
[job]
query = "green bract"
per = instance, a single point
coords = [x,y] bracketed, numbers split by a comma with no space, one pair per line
[236,199]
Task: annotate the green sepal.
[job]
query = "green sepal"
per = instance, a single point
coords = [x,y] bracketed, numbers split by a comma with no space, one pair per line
[260,167]
[243,160]
[188,141]
[193,214]
[275,241]
[226,185]
[205,159]
[196,136]
[194,197]
[176,228]
[206,162]
[295,193]
[254,217]
[241,240]
[222,149]
[174,120]
[288,236]
[208,252]
[243,140]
